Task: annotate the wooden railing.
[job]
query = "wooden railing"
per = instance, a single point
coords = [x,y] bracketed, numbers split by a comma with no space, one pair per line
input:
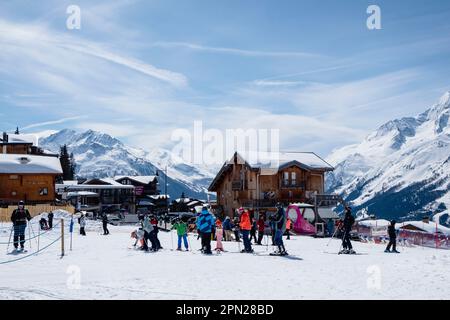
[5,213]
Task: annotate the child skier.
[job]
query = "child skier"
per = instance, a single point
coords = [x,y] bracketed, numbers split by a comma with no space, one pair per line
[139,235]
[261,228]
[346,227]
[253,231]
[288,228]
[392,238]
[82,222]
[19,218]
[154,234]
[227,229]
[148,229]
[235,226]
[219,236]
[181,228]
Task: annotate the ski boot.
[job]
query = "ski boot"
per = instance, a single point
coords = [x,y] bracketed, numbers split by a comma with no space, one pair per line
[351,251]
[387,251]
[343,251]
[395,251]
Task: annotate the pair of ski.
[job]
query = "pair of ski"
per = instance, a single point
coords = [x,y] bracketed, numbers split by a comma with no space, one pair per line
[18,251]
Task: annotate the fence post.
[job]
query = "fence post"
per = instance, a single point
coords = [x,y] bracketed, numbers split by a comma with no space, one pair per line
[62,237]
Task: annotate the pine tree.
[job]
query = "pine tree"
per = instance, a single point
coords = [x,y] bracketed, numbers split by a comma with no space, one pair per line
[17,131]
[67,163]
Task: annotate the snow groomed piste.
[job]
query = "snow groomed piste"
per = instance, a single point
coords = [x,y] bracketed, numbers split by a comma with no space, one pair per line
[110,268]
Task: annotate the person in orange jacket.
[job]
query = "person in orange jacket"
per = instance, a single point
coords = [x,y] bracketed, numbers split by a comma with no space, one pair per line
[288,228]
[245,225]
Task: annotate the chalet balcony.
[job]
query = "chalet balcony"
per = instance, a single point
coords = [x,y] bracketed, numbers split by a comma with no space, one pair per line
[237,185]
[292,184]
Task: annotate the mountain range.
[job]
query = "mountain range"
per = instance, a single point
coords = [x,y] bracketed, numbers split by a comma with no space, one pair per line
[99,155]
[401,170]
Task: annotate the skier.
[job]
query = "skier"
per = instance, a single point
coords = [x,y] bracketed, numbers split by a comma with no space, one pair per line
[181,228]
[50,220]
[279,222]
[346,227]
[82,221]
[288,228]
[253,231]
[204,225]
[19,218]
[154,234]
[148,228]
[236,230]
[227,229]
[261,227]
[245,225]
[219,236]
[105,224]
[43,224]
[392,238]
[138,234]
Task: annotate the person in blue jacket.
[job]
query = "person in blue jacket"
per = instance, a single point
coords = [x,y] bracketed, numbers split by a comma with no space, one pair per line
[205,222]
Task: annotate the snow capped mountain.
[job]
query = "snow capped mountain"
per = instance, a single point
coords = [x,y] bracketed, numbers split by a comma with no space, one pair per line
[401,169]
[99,155]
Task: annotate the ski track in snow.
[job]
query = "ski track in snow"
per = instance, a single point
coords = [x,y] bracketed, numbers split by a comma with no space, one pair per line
[111,270]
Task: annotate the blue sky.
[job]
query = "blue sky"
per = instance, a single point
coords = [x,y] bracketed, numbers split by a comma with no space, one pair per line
[141,69]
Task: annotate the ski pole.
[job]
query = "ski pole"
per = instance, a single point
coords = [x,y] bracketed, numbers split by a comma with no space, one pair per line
[9,240]
[335,230]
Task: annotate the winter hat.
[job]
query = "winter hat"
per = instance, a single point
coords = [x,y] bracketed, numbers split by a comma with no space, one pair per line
[21,203]
[241,210]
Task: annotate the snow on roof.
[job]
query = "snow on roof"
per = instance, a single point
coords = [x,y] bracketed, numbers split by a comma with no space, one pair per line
[374,223]
[109,181]
[276,160]
[140,179]
[327,213]
[23,138]
[61,187]
[15,163]
[159,196]
[184,200]
[70,182]
[81,193]
[427,227]
[193,202]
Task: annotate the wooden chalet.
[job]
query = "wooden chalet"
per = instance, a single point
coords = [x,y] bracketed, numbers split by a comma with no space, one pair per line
[26,172]
[292,177]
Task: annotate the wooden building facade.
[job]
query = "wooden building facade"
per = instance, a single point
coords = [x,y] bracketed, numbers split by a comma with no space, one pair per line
[296,177]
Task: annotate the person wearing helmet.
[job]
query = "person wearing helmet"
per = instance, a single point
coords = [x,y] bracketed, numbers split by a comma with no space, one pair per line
[280,228]
[19,218]
[346,227]
[392,238]
[205,222]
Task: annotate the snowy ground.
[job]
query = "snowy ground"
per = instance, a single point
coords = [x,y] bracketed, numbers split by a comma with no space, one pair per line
[109,269]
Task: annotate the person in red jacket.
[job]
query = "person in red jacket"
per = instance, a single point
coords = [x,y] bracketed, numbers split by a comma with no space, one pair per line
[245,225]
[261,228]
[288,228]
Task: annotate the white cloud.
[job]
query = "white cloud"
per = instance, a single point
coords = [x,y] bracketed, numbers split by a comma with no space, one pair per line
[236,51]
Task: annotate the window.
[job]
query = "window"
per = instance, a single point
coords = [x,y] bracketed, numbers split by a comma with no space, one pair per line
[43,192]
[293,178]
[286,178]
[13,177]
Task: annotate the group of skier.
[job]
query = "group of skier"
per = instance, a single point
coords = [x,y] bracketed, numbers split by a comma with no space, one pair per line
[208,227]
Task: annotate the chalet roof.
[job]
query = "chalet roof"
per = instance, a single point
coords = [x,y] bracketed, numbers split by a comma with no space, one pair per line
[21,139]
[107,181]
[271,163]
[23,164]
[139,179]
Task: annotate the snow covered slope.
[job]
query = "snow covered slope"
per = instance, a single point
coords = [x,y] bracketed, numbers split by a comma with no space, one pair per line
[99,155]
[402,169]
[107,269]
